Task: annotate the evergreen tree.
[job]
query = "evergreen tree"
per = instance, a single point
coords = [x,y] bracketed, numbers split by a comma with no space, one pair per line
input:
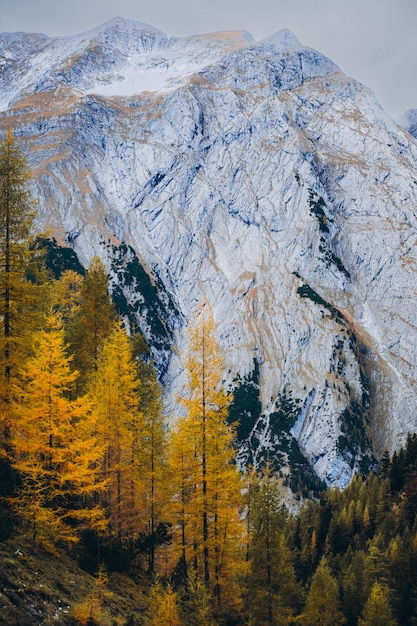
[402,555]
[323,604]
[384,465]
[355,587]
[272,595]
[386,518]
[377,611]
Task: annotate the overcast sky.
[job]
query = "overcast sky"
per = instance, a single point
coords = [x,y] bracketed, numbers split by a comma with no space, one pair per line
[375,41]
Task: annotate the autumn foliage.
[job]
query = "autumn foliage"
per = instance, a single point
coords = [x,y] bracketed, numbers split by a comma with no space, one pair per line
[89,465]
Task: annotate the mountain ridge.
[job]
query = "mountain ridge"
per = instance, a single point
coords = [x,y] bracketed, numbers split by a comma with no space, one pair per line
[267,182]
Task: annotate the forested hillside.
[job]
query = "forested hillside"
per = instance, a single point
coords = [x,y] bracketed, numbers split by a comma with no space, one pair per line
[94,473]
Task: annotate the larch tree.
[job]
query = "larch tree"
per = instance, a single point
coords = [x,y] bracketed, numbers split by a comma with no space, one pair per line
[67,297]
[16,291]
[150,443]
[115,393]
[92,320]
[55,448]
[207,502]
[163,606]
[197,604]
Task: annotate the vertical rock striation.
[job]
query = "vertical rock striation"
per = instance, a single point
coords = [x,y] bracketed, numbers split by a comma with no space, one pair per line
[255,175]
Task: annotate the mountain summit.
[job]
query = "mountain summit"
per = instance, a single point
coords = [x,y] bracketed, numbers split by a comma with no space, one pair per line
[255,175]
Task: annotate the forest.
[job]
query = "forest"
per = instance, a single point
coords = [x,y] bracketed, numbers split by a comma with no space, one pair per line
[91,466]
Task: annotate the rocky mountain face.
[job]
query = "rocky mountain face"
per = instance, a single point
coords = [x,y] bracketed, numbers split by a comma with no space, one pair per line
[259,177]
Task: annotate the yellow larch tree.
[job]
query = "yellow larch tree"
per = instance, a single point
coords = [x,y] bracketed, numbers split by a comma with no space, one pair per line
[207,502]
[114,391]
[67,296]
[55,449]
[163,607]
[128,409]
[17,293]
[151,443]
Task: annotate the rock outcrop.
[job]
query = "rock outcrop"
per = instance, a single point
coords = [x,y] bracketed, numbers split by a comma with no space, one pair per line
[255,175]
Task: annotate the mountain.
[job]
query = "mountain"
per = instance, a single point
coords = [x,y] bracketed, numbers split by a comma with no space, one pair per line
[409,121]
[256,176]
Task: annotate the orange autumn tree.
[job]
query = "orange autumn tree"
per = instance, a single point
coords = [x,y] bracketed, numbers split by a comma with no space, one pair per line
[152,463]
[16,291]
[163,608]
[206,507]
[55,449]
[128,409]
[114,392]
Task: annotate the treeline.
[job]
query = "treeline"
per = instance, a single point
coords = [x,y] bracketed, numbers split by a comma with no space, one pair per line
[88,464]
[85,453]
[82,432]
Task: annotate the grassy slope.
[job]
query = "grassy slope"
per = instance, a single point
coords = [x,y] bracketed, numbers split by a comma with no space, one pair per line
[44,588]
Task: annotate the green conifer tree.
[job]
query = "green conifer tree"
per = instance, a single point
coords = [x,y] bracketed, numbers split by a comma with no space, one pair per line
[323,603]
[377,611]
[272,595]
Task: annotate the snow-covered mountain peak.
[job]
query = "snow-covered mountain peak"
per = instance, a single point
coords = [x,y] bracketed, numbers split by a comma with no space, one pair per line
[258,176]
[122,24]
[119,58]
[124,58]
[228,41]
[127,34]
[283,40]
